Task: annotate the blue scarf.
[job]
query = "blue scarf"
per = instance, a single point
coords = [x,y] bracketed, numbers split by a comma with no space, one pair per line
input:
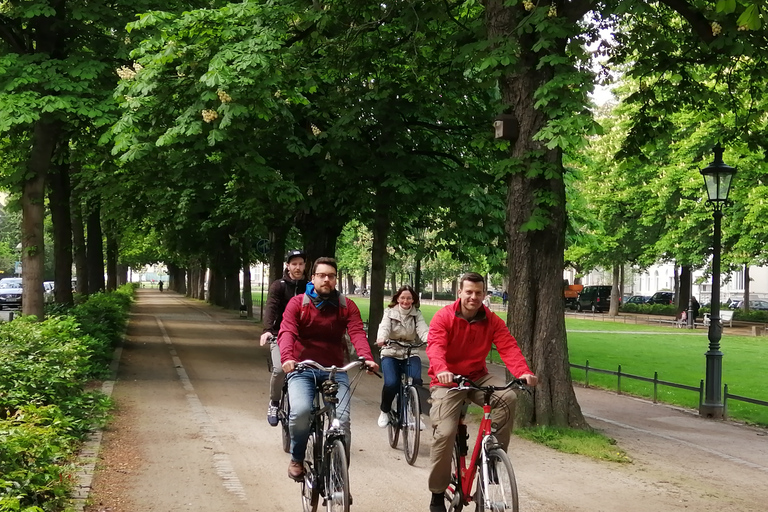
[321,302]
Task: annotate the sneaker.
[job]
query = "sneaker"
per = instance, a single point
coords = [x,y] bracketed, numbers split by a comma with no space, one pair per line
[437,504]
[383,420]
[296,471]
[272,414]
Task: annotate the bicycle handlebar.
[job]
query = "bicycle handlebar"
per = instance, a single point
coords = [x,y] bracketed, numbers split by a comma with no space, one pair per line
[309,363]
[405,345]
[465,383]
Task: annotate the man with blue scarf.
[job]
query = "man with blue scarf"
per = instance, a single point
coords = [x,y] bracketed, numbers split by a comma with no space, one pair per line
[313,327]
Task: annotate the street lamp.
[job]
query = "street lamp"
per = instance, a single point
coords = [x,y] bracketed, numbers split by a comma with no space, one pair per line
[717,178]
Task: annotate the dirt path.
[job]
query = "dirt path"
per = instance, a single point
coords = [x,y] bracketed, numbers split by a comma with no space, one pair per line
[190,434]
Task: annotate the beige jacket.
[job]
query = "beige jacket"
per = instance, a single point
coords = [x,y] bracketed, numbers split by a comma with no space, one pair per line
[403,328]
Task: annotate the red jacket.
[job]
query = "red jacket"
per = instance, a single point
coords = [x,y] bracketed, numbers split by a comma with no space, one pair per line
[320,335]
[460,347]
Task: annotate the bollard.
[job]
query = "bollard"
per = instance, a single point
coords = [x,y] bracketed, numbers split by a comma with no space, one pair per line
[755,332]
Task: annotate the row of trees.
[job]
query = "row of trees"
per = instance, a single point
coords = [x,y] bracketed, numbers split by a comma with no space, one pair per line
[237,122]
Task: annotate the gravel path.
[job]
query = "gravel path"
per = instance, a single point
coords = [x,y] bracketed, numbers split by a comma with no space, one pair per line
[190,434]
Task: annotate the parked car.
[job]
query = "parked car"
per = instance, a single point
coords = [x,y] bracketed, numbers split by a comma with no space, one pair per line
[594,298]
[662,298]
[638,299]
[10,292]
[754,305]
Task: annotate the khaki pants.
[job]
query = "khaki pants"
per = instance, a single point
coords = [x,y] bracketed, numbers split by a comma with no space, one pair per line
[445,412]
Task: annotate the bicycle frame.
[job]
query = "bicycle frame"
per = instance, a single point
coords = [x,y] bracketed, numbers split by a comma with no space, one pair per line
[484,442]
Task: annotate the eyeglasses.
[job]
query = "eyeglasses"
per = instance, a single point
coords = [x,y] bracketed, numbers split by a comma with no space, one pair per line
[322,276]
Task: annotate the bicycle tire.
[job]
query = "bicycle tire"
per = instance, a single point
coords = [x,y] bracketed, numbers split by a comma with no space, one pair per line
[393,427]
[501,487]
[337,478]
[310,490]
[411,424]
[453,495]
[284,413]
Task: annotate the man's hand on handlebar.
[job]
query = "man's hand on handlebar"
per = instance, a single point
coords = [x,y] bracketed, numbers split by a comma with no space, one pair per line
[265,338]
[289,366]
[371,366]
[381,343]
[445,377]
[530,379]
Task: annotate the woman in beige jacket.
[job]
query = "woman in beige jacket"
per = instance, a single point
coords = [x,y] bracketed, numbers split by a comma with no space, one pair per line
[402,322]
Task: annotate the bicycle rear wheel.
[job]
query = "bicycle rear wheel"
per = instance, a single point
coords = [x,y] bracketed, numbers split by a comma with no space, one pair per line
[411,426]
[496,486]
[310,490]
[393,428]
[337,486]
[453,496]
[283,414]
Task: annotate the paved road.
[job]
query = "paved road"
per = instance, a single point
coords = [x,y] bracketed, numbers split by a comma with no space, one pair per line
[190,435]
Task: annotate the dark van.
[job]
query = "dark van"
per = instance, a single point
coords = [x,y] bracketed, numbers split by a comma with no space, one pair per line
[594,298]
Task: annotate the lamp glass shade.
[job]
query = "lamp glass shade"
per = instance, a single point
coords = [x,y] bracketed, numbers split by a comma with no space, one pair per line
[718,184]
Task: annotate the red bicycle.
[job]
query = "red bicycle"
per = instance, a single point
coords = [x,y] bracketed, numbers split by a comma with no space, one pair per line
[489,471]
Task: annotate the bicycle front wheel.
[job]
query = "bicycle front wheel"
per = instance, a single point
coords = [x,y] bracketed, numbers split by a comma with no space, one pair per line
[337,486]
[496,486]
[411,426]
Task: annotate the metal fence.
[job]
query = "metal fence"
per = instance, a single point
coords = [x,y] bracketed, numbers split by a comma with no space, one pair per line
[658,382]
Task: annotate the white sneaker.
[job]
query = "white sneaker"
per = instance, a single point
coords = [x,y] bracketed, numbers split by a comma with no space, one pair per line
[422,426]
[383,420]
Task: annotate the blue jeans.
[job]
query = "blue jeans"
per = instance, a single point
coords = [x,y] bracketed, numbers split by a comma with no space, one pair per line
[392,368]
[301,392]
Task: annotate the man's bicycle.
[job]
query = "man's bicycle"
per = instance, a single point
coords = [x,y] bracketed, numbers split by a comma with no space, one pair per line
[325,462]
[406,416]
[489,470]
[284,409]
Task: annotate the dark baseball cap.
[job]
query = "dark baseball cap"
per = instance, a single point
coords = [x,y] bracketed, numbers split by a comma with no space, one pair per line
[295,254]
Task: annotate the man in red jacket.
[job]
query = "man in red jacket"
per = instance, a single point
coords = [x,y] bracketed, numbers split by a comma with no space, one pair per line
[460,339]
[313,327]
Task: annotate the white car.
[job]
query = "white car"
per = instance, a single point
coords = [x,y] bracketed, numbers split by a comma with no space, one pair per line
[48,291]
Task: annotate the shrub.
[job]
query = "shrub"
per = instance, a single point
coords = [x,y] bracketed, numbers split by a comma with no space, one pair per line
[650,309]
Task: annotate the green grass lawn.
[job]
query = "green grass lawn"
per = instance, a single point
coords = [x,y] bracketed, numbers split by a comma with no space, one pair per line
[677,356]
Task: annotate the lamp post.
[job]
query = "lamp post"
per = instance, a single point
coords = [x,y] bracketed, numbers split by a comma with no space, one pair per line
[717,178]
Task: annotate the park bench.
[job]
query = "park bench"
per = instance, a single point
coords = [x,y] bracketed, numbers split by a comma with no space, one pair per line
[726,317]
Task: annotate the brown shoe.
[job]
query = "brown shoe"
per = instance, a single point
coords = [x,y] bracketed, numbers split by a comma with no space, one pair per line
[296,471]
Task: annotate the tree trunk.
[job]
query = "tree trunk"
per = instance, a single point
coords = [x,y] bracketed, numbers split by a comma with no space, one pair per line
[615,292]
[277,238]
[683,297]
[535,256]
[378,273]
[393,282]
[320,234]
[95,249]
[232,289]
[111,261]
[122,274]
[201,281]
[45,138]
[745,302]
[181,281]
[364,281]
[61,219]
[78,246]
[676,287]
[173,271]
[247,292]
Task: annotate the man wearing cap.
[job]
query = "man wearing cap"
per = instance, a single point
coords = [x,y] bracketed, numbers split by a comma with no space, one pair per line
[293,283]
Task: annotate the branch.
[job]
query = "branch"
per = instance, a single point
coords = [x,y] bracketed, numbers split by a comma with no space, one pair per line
[8,33]
[441,127]
[436,154]
[576,10]
[699,23]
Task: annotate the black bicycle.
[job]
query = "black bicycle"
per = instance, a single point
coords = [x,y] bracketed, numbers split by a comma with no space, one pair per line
[325,461]
[284,409]
[405,416]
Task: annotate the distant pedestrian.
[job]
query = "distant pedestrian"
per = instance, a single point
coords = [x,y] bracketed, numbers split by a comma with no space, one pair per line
[160,285]
[487,300]
[504,298]
[695,306]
